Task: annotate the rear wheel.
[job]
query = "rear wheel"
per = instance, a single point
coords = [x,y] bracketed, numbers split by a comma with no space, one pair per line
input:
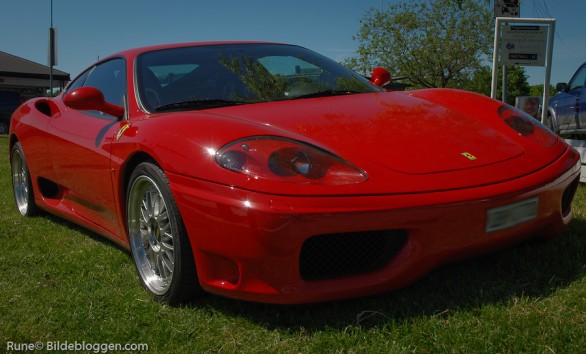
[21,182]
[158,241]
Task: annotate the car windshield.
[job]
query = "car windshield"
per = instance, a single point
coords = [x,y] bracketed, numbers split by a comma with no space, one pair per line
[211,76]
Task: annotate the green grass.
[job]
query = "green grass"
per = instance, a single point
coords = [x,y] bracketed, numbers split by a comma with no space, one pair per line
[59,282]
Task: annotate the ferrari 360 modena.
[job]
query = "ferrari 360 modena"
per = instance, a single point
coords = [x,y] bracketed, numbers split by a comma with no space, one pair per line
[267,172]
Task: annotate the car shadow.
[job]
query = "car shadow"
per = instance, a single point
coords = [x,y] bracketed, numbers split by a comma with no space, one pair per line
[533,269]
[82,230]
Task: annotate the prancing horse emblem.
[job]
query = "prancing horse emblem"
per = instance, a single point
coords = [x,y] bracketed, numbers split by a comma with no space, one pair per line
[122,130]
[469,156]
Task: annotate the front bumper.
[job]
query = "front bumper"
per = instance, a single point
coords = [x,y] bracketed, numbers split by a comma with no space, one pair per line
[250,245]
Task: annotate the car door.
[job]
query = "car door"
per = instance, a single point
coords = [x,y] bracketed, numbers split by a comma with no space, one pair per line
[571,107]
[79,145]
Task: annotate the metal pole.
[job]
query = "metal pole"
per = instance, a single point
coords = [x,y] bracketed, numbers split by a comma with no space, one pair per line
[545,103]
[493,89]
[51,53]
[505,72]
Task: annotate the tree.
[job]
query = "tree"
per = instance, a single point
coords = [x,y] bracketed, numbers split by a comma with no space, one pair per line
[435,43]
[517,84]
[537,90]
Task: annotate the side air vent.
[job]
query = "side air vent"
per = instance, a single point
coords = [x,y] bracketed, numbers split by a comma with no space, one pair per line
[48,108]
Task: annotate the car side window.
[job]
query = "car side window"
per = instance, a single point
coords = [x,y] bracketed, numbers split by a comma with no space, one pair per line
[578,79]
[110,78]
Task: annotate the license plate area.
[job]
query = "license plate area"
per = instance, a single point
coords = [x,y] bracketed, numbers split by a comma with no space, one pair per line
[511,215]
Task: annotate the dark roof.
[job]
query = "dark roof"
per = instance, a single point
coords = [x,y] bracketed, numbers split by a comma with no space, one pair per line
[13,66]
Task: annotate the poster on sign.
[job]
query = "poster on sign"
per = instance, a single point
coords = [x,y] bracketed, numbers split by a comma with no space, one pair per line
[507,8]
[530,105]
[523,44]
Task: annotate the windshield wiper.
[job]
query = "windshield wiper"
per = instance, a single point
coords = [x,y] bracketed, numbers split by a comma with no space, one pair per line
[326,93]
[198,104]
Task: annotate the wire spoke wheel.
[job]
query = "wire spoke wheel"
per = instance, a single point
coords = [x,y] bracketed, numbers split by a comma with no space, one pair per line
[151,235]
[21,183]
[157,237]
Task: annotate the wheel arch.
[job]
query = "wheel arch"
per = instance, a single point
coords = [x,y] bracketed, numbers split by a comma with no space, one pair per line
[553,120]
[125,173]
[13,140]
[189,285]
[124,179]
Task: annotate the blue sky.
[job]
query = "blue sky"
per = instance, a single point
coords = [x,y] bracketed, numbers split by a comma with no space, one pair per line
[88,30]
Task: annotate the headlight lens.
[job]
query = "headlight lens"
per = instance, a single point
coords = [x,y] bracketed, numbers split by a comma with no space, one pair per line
[527,126]
[287,160]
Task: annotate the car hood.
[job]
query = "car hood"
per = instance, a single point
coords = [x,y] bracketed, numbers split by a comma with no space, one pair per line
[399,131]
[406,142]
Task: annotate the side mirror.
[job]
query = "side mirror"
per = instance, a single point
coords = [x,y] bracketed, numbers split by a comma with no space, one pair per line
[380,76]
[91,99]
[561,87]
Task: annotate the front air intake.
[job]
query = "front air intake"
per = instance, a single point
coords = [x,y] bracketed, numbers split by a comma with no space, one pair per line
[568,196]
[345,254]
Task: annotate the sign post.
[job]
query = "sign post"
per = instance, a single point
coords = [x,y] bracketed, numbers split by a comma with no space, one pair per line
[52,60]
[506,8]
[526,42]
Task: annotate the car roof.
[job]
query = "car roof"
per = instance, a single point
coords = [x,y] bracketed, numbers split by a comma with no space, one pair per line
[136,51]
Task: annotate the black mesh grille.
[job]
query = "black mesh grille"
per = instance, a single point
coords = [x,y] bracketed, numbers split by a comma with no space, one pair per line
[568,196]
[344,254]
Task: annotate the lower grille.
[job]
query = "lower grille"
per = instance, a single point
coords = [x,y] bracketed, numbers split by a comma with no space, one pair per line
[568,196]
[344,254]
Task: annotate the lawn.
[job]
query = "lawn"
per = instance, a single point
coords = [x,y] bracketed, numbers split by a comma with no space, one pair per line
[62,285]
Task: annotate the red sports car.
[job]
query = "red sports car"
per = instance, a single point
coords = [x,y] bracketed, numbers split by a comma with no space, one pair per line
[270,173]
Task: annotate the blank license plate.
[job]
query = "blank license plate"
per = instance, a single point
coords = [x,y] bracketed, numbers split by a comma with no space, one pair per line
[511,215]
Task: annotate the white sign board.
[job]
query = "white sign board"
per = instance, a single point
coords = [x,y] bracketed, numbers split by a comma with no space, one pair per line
[523,41]
[523,45]
[507,8]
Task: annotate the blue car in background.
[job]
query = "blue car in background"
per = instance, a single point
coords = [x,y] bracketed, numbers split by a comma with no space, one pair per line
[567,109]
[567,114]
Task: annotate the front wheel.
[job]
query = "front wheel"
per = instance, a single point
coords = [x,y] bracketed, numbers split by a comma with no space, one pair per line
[158,241]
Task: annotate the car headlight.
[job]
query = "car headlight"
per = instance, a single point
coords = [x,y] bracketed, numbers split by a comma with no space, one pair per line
[527,126]
[287,160]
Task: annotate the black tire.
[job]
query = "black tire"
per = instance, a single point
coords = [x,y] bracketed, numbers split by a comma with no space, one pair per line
[21,182]
[158,241]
